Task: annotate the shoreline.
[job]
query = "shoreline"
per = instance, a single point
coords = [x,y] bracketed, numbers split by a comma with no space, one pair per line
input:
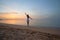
[41,29]
[12,32]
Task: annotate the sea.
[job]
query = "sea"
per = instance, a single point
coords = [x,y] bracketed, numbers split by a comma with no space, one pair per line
[33,22]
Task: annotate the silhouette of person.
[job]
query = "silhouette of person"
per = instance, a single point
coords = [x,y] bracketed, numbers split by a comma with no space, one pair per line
[27,15]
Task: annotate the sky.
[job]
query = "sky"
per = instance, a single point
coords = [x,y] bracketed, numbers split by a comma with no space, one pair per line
[45,10]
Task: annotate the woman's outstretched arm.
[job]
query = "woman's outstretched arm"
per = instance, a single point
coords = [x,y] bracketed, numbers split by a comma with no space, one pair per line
[25,13]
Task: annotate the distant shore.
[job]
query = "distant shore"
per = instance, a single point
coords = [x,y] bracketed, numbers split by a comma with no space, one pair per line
[27,33]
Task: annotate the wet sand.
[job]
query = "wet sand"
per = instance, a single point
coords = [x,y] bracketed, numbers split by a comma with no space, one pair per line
[19,32]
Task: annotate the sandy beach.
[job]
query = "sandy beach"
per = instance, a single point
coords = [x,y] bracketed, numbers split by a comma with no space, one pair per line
[20,32]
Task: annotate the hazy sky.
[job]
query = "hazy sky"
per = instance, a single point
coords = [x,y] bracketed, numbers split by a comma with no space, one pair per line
[48,10]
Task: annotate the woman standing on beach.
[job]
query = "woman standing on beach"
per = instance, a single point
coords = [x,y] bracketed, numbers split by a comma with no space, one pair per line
[27,15]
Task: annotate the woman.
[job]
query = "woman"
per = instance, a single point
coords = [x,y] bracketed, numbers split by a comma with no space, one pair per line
[28,17]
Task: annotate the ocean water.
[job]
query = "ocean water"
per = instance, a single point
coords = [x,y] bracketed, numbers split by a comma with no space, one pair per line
[13,21]
[34,22]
